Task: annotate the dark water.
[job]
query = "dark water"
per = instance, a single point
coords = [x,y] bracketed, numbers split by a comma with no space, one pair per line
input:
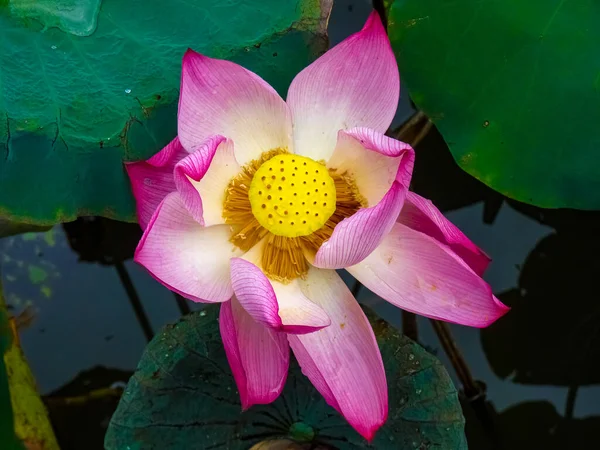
[539,363]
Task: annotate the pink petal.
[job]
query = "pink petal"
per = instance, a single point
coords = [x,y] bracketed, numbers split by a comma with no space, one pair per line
[355,84]
[258,356]
[255,293]
[343,360]
[273,304]
[354,238]
[415,272]
[152,180]
[312,372]
[202,179]
[228,331]
[221,97]
[372,160]
[298,314]
[185,256]
[421,214]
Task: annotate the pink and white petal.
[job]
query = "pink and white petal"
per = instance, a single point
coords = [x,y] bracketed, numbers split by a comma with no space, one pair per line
[372,160]
[355,84]
[221,97]
[255,293]
[417,273]
[168,156]
[354,238]
[228,331]
[343,360]
[298,314]
[258,355]
[273,304]
[185,256]
[152,180]
[312,372]
[202,179]
[421,214]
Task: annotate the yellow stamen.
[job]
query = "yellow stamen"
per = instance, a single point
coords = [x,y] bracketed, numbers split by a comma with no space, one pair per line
[286,245]
[237,210]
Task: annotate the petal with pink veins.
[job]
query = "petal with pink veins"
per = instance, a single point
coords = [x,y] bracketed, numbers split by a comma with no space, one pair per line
[421,214]
[343,360]
[354,238]
[415,272]
[152,180]
[372,160]
[276,305]
[258,355]
[355,84]
[202,179]
[185,256]
[221,97]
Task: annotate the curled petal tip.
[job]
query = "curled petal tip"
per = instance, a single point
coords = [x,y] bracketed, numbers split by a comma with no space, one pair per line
[245,404]
[373,21]
[190,53]
[504,308]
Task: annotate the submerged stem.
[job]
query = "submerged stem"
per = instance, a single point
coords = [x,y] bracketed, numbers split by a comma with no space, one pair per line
[570,403]
[135,301]
[410,328]
[459,364]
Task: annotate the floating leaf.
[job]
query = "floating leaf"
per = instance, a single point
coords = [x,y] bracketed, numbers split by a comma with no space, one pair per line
[87,84]
[10,228]
[532,425]
[537,424]
[7,424]
[183,394]
[28,419]
[453,188]
[514,88]
[101,240]
[81,408]
[552,328]
[37,274]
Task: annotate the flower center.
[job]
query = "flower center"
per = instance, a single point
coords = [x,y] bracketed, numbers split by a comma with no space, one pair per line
[292,195]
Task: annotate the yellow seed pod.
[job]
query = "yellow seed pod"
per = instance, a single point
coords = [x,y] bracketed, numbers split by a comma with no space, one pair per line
[292,195]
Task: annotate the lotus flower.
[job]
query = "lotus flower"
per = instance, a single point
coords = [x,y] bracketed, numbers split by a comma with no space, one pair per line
[258,200]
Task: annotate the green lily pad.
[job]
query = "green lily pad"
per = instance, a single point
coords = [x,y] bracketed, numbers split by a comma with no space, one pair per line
[86,85]
[514,88]
[183,395]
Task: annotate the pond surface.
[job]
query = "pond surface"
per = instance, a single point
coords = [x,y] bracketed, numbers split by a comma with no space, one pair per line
[78,282]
